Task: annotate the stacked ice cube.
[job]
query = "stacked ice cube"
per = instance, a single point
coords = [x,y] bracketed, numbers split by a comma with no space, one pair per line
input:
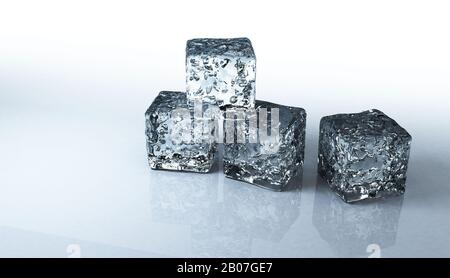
[361,156]
[264,142]
[221,72]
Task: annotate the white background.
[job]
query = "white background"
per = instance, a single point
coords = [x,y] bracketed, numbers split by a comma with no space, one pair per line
[77,76]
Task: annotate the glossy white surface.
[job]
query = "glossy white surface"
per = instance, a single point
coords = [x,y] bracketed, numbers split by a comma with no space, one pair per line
[74,179]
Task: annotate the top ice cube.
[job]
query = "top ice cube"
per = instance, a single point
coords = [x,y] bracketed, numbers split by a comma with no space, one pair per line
[221,72]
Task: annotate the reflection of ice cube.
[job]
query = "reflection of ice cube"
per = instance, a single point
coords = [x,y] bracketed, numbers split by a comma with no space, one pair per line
[183,198]
[173,141]
[274,159]
[222,237]
[349,229]
[223,222]
[264,214]
[221,71]
[363,155]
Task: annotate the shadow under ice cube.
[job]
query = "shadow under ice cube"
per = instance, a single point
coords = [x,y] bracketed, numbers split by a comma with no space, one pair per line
[178,138]
[363,155]
[221,72]
[272,161]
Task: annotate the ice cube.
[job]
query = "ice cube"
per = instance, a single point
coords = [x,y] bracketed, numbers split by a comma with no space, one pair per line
[177,137]
[267,159]
[363,155]
[221,72]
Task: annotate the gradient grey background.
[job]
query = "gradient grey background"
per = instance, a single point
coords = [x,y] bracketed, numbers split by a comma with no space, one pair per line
[77,77]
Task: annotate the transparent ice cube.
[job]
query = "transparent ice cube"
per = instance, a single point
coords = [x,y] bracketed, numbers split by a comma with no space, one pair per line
[178,138]
[271,159]
[221,72]
[363,155]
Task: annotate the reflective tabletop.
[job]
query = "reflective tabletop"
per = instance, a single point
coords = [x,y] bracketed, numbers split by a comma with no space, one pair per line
[78,184]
